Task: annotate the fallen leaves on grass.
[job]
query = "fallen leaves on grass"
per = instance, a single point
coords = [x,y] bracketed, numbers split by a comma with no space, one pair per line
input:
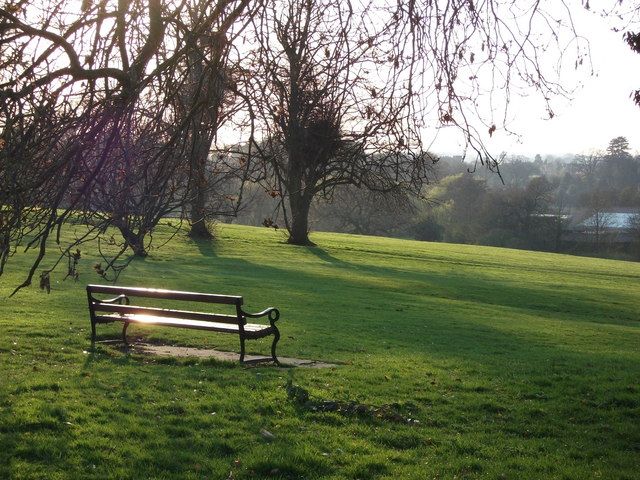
[350,408]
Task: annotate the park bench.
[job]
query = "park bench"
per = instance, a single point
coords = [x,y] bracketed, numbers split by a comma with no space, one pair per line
[119,308]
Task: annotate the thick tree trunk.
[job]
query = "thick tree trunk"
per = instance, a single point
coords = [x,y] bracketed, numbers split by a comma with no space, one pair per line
[202,135]
[204,126]
[199,228]
[299,224]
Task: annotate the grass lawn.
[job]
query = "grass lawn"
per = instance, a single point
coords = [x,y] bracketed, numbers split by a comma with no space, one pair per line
[455,362]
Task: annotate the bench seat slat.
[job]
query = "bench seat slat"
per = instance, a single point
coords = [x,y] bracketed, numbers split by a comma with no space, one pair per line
[251,330]
[164,312]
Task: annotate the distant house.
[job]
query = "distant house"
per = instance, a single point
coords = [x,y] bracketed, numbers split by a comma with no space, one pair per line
[611,227]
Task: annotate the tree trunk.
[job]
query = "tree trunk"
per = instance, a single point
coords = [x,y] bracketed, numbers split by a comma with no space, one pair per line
[299,204]
[198,204]
[135,241]
[204,126]
[200,230]
[202,137]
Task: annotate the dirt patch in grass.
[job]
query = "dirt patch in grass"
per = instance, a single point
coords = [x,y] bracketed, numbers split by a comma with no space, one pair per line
[182,352]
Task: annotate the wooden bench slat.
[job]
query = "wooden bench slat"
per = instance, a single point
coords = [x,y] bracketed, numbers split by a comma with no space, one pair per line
[164,312]
[168,294]
[251,328]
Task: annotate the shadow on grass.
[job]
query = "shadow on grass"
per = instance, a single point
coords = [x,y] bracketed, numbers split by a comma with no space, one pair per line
[584,304]
[325,257]
[428,312]
[206,247]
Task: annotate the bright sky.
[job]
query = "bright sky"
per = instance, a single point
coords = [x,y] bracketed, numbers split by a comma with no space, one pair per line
[598,112]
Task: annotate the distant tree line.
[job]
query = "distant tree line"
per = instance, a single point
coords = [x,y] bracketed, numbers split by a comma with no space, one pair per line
[527,206]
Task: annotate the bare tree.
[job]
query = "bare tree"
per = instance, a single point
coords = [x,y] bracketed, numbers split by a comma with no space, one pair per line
[455,63]
[329,113]
[587,166]
[206,100]
[599,220]
[365,212]
[89,119]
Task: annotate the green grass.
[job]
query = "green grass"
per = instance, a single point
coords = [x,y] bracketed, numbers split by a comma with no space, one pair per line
[516,365]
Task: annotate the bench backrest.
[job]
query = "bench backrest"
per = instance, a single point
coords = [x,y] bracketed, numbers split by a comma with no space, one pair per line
[96,304]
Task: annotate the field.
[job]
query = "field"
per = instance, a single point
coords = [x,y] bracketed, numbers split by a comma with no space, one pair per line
[453,362]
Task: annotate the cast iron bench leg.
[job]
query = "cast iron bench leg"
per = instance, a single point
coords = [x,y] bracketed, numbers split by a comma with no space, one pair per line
[276,337]
[241,349]
[124,332]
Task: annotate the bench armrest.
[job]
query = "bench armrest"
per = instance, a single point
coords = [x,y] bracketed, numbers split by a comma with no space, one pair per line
[118,299]
[273,313]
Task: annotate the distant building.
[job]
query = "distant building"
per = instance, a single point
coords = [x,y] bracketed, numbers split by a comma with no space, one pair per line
[610,227]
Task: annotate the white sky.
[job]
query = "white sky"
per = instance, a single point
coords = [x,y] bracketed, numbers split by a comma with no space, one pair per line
[598,112]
